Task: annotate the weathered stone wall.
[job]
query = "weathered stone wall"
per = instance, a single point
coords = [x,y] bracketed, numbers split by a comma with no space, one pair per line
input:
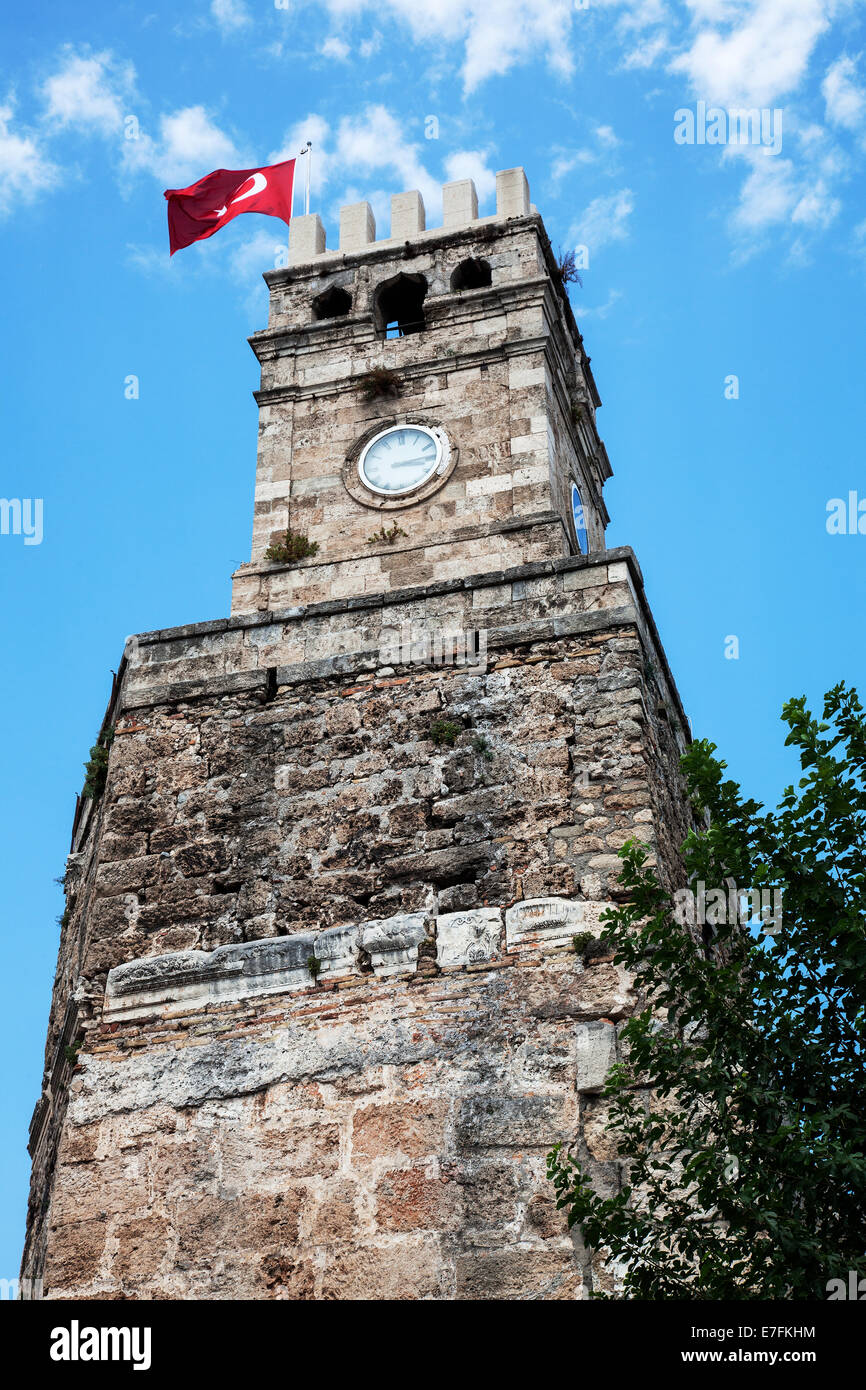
[317,1016]
[382,1140]
[236,1127]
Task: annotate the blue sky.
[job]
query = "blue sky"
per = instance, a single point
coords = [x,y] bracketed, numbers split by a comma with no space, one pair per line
[705,261]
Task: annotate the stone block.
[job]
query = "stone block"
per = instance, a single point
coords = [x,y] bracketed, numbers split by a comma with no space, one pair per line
[596,1054]
[400,1129]
[514,1275]
[512,193]
[306,238]
[392,942]
[468,938]
[414,1199]
[391,1272]
[357,227]
[196,978]
[550,921]
[511,1121]
[459,203]
[407,215]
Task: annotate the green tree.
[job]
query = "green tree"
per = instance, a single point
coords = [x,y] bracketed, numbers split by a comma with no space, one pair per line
[738,1108]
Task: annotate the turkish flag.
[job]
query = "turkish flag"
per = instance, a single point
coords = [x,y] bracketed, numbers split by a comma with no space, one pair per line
[200,210]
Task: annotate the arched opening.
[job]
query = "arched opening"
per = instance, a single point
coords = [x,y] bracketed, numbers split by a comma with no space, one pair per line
[331,304]
[400,306]
[471,274]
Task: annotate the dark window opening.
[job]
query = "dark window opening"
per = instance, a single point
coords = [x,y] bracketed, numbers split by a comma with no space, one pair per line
[400,306]
[471,275]
[332,304]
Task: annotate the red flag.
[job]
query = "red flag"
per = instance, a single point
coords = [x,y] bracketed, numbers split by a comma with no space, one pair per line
[200,210]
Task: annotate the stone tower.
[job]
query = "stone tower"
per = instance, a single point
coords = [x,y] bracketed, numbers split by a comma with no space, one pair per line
[318,1015]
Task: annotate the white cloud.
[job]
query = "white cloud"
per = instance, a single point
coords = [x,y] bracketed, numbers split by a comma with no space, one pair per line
[335,48]
[816,207]
[752,52]
[362,148]
[495,36]
[151,261]
[646,52]
[472,164]
[189,145]
[248,259]
[377,142]
[605,220]
[240,261]
[259,252]
[230,15]
[352,161]
[601,311]
[567,160]
[25,170]
[777,195]
[845,99]
[317,130]
[768,195]
[91,92]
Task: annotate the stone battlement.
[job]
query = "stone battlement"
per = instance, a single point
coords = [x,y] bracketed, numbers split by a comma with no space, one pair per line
[307,240]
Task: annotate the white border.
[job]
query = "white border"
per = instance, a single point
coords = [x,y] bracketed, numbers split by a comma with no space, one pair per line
[442,455]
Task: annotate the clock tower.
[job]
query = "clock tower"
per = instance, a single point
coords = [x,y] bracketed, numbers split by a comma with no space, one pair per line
[426,402]
[329,986]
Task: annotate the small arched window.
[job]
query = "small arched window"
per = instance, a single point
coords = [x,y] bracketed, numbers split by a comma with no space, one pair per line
[332,304]
[399,306]
[471,274]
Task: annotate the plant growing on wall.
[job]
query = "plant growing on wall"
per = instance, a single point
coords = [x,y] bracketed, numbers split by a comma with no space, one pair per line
[566,269]
[387,537]
[379,382]
[445,731]
[96,767]
[481,746]
[291,548]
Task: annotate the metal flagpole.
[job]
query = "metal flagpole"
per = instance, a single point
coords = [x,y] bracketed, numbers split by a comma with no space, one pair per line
[308,151]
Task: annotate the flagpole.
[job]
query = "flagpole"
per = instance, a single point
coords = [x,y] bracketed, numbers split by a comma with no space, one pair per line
[308,151]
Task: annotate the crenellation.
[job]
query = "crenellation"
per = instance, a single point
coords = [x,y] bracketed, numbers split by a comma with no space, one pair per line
[306,238]
[357,227]
[459,203]
[408,218]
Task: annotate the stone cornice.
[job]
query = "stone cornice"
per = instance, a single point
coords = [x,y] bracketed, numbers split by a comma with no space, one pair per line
[500,352]
[535,570]
[188,981]
[365,662]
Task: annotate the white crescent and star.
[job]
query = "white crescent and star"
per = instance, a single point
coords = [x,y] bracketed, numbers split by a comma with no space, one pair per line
[258,183]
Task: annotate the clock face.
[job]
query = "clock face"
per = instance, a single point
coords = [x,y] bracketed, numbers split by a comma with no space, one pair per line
[579,520]
[400,459]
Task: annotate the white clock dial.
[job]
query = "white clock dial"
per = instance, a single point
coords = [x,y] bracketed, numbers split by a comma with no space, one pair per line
[400,459]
